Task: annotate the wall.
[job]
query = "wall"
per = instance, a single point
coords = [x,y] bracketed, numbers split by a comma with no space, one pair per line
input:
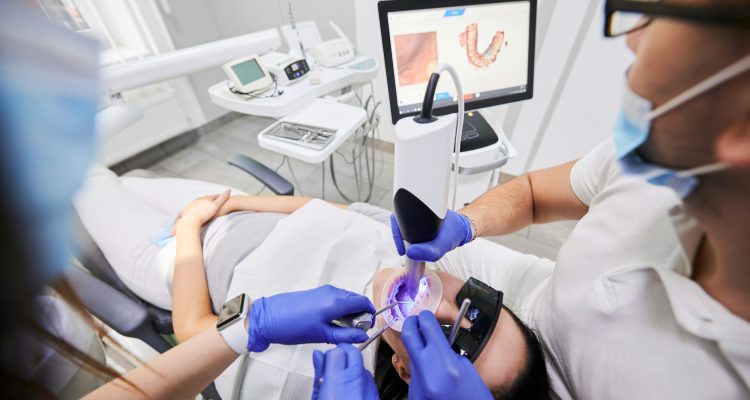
[577,83]
[193,22]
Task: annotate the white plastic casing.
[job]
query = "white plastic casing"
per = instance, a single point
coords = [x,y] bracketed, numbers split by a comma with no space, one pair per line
[423,154]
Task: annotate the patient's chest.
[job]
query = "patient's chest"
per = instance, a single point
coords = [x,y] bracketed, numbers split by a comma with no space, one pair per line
[317,245]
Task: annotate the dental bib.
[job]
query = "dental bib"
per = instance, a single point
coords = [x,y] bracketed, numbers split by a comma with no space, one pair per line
[316,245]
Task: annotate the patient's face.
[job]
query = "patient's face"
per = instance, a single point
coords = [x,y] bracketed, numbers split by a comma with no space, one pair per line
[500,361]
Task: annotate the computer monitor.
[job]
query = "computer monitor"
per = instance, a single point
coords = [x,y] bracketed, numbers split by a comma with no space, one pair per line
[489,43]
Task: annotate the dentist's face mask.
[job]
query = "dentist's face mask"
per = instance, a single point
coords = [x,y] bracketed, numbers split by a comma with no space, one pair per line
[48,103]
[634,125]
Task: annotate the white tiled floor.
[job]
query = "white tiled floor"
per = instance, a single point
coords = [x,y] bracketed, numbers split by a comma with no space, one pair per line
[205,159]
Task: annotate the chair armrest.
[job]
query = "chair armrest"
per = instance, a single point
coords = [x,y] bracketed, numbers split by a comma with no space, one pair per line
[160,318]
[118,311]
[108,304]
[277,183]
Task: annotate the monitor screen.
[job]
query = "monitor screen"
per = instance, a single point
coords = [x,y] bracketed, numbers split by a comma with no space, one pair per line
[248,71]
[490,45]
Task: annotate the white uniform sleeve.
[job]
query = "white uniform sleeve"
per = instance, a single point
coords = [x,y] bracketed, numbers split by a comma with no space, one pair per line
[591,173]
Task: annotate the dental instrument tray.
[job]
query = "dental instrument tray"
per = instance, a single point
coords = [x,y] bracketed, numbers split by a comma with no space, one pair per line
[313,137]
[312,133]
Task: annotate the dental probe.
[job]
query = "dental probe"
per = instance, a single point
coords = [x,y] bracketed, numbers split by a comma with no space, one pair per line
[454,330]
[365,320]
[375,335]
[388,307]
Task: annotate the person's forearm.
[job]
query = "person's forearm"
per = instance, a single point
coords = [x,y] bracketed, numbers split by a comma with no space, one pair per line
[502,210]
[180,373]
[191,302]
[277,204]
[538,197]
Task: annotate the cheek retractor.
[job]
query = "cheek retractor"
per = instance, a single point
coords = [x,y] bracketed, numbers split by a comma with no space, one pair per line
[394,291]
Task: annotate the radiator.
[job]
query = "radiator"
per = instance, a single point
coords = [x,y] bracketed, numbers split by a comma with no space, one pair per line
[163,118]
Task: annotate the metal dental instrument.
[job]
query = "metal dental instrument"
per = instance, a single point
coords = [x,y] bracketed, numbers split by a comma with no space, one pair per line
[454,331]
[388,307]
[363,321]
[375,335]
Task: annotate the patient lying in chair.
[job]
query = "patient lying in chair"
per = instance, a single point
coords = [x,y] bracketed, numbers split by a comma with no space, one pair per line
[188,246]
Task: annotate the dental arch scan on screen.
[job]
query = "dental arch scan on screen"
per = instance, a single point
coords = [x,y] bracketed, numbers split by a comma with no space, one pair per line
[487,44]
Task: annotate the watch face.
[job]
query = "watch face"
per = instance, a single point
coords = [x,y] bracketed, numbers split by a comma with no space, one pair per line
[230,311]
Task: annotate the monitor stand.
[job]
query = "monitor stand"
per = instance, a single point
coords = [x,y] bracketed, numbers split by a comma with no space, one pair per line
[477,132]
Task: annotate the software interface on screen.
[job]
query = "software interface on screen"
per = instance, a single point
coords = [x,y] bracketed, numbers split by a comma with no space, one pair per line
[487,44]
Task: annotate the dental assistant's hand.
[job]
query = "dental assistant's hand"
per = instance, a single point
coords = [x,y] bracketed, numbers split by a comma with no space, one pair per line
[305,317]
[437,372]
[203,209]
[455,232]
[340,374]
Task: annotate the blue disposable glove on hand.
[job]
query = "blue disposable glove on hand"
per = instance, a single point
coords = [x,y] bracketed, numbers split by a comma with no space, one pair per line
[437,372]
[305,317]
[340,374]
[455,231]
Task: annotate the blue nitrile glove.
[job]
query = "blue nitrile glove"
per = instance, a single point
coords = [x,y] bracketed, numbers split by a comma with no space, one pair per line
[340,374]
[437,372]
[305,317]
[455,231]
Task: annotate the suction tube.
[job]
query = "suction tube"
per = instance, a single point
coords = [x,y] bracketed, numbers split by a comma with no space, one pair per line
[426,115]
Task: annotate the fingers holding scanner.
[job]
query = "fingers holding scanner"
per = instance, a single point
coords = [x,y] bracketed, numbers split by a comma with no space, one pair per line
[398,240]
[455,231]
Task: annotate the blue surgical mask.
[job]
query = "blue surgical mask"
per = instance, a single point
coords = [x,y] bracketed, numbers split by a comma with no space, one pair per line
[48,102]
[634,125]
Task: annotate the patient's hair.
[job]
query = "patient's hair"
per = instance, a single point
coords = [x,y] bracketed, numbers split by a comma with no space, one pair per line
[389,383]
[531,382]
[23,333]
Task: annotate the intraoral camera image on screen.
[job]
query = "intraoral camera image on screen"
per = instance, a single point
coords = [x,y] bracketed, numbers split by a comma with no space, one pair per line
[487,44]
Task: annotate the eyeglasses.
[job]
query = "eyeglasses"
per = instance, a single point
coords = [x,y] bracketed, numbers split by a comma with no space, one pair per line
[625,16]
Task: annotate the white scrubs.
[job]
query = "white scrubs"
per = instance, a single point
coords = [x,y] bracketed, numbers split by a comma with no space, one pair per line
[620,317]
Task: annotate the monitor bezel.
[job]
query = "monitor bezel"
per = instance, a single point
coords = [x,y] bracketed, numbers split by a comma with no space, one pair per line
[388,6]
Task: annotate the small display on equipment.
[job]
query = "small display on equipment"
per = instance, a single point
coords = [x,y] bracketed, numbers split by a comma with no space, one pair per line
[489,43]
[248,74]
[248,71]
[286,68]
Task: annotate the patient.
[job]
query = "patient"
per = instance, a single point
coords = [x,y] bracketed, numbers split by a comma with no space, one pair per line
[189,267]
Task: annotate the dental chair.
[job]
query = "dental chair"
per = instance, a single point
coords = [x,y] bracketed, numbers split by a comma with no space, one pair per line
[109,300]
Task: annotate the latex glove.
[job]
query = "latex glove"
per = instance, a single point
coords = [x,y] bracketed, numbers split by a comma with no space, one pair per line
[305,317]
[455,231]
[343,375]
[437,372]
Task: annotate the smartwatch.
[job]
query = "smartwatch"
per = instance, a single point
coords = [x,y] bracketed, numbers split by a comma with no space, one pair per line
[231,323]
